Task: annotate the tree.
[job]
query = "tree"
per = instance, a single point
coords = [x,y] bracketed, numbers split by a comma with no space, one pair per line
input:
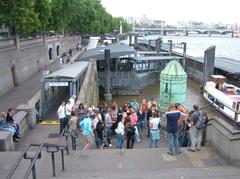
[84,16]
[57,22]
[43,9]
[20,16]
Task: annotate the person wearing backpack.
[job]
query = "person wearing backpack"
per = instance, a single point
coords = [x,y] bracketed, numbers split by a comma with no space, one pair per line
[197,124]
[130,132]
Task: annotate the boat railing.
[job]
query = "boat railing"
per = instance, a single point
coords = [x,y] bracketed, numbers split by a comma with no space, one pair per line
[217,107]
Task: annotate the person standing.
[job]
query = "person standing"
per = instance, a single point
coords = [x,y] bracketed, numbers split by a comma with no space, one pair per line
[140,123]
[69,109]
[130,132]
[81,112]
[70,52]
[154,123]
[95,121]
[135,105]
[72,100]
[108,124]
[87,131]
[73,122]
[134,120]
[99,131]
[62,116]
[173,117]
[153,109]
[120,132]
[195,128]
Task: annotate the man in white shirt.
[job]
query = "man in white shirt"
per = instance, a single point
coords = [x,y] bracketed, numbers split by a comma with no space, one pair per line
[62,117]
[72,100]
[69,109]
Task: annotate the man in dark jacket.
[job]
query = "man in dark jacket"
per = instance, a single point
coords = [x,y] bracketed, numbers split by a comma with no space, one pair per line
[173,117]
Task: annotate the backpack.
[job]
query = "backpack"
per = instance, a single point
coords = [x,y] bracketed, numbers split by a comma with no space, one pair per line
[130,130]
[201,122]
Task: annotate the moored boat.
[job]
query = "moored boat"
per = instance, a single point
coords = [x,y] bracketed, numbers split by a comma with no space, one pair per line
[225,97]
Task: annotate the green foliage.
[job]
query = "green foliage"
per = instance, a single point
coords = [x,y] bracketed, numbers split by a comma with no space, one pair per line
[43,9]
[83,16]
[20,15]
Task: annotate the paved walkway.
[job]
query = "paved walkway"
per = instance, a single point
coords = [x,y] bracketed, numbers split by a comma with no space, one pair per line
[141,162]
[26,90]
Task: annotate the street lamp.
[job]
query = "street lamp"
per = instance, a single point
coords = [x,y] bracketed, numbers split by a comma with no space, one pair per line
[170,47]
[184,54]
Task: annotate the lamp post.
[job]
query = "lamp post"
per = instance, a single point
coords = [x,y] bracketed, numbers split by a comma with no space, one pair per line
[184,54]
[170,47]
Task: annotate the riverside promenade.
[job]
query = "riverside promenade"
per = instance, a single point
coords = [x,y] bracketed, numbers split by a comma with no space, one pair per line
[26,90]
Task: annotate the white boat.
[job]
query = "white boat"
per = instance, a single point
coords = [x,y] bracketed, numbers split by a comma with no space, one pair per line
[225,97]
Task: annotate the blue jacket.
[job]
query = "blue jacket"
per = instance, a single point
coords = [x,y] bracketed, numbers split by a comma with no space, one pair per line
[172,121]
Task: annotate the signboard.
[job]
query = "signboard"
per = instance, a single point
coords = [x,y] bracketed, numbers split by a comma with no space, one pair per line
[58,84]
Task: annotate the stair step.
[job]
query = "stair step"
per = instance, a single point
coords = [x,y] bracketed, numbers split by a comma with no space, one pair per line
[170,173]
[129,164]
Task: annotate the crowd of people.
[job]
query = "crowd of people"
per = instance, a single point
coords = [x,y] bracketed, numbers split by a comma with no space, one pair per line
[129,123]
[7,123]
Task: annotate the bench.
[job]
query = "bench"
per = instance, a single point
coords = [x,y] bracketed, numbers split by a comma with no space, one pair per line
[6,141]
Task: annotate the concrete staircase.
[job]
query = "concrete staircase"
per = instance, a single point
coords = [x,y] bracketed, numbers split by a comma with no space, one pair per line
[129,164]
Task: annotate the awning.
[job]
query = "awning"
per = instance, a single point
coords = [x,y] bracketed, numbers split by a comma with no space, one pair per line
[72,71]
[116,50]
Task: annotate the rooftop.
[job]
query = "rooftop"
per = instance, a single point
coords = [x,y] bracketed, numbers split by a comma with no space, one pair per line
[69,72]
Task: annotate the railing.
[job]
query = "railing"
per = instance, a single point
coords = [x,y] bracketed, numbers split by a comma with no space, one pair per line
[26,156]
[50,148]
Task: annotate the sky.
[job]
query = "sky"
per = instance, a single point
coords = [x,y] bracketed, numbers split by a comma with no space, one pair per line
[171,11]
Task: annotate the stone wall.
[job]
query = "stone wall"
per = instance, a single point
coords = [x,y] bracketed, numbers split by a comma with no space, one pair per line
[89,92]
[225,139]
[28,56]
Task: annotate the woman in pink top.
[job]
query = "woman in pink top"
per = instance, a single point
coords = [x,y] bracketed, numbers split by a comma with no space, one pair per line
[134,119]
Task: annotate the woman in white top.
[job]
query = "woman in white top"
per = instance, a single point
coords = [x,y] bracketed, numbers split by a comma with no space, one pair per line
[154,124]
[120,132]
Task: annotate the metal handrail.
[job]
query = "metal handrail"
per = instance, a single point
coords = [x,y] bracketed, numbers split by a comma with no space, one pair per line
[35,157]
[17,162]
[32,166]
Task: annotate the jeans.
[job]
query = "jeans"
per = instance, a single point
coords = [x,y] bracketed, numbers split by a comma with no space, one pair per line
[154,142]
[67,120]
[196,138]
[96,139]
[63,124]
[140,126]
[148,129]
[137,137]
[109,135]
[16,127]
[130,142]
[173,143]
[120,140]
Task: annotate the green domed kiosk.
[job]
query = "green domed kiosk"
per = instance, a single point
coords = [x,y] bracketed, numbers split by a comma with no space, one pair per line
[173,85]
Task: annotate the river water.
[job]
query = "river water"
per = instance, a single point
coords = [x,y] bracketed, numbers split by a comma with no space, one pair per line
[226,46]
[153,91]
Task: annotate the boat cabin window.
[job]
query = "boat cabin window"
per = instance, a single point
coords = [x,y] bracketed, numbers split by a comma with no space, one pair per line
[211,97]
[219,104]
[238,107]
